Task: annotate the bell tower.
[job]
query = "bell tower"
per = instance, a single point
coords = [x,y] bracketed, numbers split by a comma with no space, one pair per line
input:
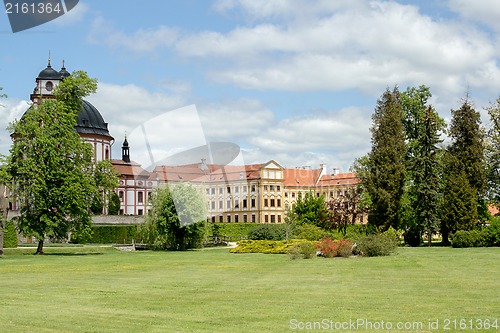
[125,151]
[46,82]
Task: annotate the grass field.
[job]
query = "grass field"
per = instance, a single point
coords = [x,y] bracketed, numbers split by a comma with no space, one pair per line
[99,289]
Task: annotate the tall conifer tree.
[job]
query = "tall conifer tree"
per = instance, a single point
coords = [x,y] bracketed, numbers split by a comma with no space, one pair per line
[465,164]
[386,167]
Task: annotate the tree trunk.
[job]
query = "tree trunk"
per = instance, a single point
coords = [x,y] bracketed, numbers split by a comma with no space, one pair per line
[429,238]
[39,249]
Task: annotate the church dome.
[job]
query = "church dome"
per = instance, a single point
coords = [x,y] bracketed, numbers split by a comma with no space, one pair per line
[90,121]
[49,73]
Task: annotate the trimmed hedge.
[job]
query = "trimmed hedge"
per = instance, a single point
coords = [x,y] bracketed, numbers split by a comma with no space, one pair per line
[119,234]
[232,229]
[268,232]
[10,235]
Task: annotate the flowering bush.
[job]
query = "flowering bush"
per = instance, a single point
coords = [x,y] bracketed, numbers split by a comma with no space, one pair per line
[329,248]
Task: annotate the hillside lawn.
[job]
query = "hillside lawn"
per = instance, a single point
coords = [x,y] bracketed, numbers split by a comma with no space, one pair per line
[100,289]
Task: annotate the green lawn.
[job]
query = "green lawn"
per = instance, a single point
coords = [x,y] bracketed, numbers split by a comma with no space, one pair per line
[99,289]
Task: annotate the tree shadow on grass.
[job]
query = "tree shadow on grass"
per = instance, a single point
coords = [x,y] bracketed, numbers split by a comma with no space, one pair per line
[69,254]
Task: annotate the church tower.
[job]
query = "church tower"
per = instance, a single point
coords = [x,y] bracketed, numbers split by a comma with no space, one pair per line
[46,82]
[125,151]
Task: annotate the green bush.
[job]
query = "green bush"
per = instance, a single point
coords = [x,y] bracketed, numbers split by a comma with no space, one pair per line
[233,229]
[470,238]
[377,245]
[312,233]
[265,246]
[267,232]
[118,234]
[356,232]
[305,250]
[10,235]
[494,232]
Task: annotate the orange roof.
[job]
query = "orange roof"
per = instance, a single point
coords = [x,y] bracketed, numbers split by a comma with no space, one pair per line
[301,177]
[205,173]
[348,178]
[493,209]
[132,169]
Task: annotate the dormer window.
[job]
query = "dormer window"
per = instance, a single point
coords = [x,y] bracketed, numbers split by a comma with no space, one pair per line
[49,86]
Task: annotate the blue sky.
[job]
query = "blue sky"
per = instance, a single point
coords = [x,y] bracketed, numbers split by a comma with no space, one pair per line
[290,80]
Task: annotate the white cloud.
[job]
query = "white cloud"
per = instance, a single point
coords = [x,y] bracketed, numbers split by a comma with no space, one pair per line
[12,109]
[73,16]
[484,11]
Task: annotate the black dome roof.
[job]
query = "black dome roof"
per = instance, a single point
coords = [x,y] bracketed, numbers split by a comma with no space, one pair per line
[90,121]
[49,73]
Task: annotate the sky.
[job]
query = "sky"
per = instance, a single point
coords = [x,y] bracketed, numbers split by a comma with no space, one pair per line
[295,81]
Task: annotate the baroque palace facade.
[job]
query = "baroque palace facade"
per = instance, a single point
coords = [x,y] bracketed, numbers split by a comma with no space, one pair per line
[259,193]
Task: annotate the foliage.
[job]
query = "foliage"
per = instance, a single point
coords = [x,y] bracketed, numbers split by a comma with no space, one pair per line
[356,232]
[304,250]
[330,248]
[177,219]
[310,209]
[378,245]
[470,238]
[385,169]
[465,170]
[267,232]
[312,232]
[232,229]
[494,232]
[51,164]
[10,235]
[345,209]
[492,152]
[265,246]
[460,200]
[423,128]
[119,234]
[114,204]
[106,179]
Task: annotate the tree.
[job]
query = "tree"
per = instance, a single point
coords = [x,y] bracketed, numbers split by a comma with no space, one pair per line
[385,176]
[114,204]
[345,209]
[492,152]
[310,209]
[465,172]
[106,179]
[426,173]
[52,166]
[423,128]
[177,219]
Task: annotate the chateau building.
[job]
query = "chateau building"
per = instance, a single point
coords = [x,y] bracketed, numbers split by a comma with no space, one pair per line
[260,193]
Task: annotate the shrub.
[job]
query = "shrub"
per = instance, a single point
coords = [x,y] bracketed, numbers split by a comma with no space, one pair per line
[494,232]
[267,232]
[377,245]
[232,229]
[10,235]
[329,248]
[107,235]
[305,250]
[356,232]
[311,232]
[471,238]
[265,246]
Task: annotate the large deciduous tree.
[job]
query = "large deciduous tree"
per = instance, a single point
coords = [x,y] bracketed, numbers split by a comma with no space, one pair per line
[385,168]
[52,166]
[345,209]
[177,219]
[492,149]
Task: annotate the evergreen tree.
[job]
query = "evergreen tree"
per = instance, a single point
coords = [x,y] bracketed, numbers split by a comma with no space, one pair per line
[426,172]
[52,166]
[423,127]
[465,172]
[386,167]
